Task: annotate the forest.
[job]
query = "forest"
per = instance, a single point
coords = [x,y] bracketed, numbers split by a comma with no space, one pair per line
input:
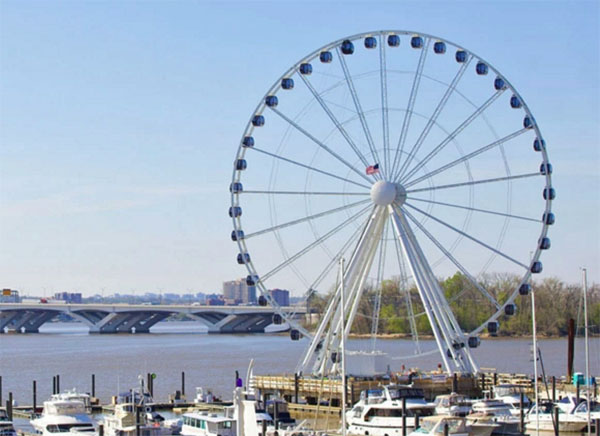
[556,302]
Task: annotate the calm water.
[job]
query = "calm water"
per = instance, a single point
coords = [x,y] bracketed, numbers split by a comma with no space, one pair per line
[211,360]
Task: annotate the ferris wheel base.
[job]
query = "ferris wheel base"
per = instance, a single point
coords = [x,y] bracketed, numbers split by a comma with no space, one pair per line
[367,363]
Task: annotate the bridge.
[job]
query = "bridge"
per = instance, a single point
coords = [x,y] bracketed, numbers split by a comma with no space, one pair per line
[135,318]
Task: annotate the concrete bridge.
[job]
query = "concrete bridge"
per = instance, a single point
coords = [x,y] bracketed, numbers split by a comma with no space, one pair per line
[134,318]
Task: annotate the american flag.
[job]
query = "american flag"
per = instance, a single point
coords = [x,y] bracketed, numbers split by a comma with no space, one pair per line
[373,169]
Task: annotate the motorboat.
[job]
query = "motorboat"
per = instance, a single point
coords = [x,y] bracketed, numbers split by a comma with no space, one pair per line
[495,411]
[379,411]
[6,425]
[456,425]
[73,395]
[208,424]
[567,422]
[452,404]
[568,403]
[511,395]
[64,417]
[128,416]
[582,408]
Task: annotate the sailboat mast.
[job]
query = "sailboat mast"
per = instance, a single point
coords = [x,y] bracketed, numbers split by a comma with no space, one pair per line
[587,355]
[343,343]
[535,369]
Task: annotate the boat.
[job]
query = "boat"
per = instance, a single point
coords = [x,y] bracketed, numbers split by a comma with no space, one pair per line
[452,404]
[495,411]
[73,395]
[6,425]
[567,422]
[582,410]
[64,417]
[208,424]
[511,395]
[457,426]
[379,411]
[128,416]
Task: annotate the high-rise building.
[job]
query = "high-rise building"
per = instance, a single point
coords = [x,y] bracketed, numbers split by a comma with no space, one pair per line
[280,296]
[238,292]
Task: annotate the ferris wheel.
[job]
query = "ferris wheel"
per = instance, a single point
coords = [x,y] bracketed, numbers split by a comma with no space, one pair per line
[413,159]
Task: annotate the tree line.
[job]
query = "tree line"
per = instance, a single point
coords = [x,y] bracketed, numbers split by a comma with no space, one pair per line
[556,302]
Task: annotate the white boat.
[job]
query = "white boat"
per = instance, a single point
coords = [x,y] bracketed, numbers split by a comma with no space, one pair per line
[568,403]
[452,404]
[511,395]
[124,422]
[581,410]
[64,417]
[379,411]
[495,411]
[457,426]
[208,424]
[567,422]
[73,395]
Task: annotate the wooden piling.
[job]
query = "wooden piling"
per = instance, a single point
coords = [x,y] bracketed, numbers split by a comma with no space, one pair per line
[93,385]
[9,406]
[521,412]
[553,389]
[53,384]
[183,383]
[556,426]
[404,416]
[57,383]
[454,382]
[34,397]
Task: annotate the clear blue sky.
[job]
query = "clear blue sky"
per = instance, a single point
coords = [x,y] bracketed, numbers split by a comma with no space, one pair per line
[119,122]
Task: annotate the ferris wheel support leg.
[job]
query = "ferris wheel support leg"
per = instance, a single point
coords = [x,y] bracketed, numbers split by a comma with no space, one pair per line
[328,334]
[448,335]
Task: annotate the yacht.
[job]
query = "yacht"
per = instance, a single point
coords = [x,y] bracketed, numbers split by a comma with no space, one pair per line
[567,422]
[495,411]
[64,417]
[511,395]
[457,426]
[208,424]
[452,404]
[379,411]
[124,422]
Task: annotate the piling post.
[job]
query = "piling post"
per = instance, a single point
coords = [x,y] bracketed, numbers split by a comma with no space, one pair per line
[100,429]
[577,385]
[276,414]
[182,383]
[455,382]
[556,410]
[34,397]
[94,386]
[137,420]
[53,384]
[521,412]
[0,390]
[417,421]
[553,389]
[445,429]
[495,379]
[57,383]
[403,416]
[597,426]
[9,406]
[296,388]
[264,427]
[482,381]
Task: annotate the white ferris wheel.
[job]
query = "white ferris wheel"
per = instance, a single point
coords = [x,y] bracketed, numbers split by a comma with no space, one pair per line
[413,159]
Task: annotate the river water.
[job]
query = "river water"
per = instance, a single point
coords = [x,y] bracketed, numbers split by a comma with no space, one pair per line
[211,360]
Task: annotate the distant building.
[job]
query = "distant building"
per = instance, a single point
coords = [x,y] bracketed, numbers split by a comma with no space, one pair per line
[280,296]
[215,300]
[238,292]
[69,297]
[10,296]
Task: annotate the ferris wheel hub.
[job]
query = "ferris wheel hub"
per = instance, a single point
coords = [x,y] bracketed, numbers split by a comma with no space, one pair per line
[384,193]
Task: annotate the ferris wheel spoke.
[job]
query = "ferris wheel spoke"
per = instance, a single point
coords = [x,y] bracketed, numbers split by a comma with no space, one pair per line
[308,167]
[384,100]
[407,297]
[359,110]
[436,113]
[409,110]
[473,182]
[334,120]
[335,259]
[474,209]
[453,135]
[449,255]
[319,143]
[302,193]
[466,235]
[379,285]
[312,245]
[466,157]
[302,220]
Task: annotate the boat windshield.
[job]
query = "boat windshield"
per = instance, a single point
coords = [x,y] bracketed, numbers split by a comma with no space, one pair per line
[65,428]
[582,408]
[399,393]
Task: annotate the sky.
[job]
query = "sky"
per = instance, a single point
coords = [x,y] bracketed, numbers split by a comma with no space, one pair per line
[119,123]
